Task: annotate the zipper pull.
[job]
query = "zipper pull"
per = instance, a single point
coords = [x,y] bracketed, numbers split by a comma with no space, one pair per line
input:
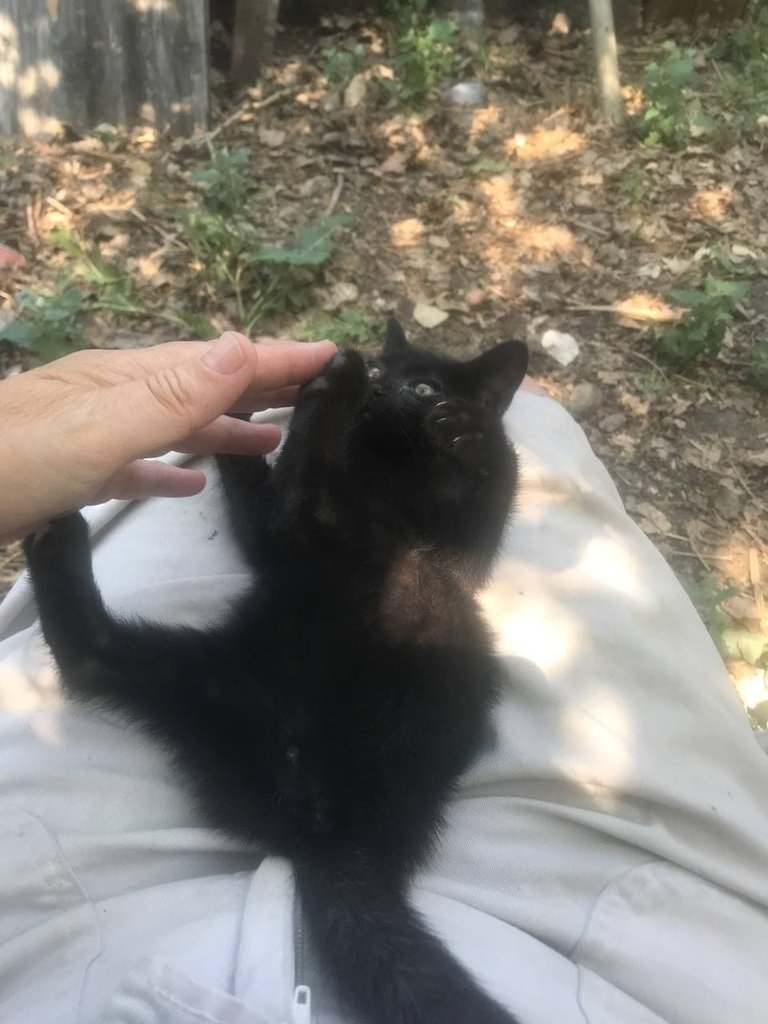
[302,1005]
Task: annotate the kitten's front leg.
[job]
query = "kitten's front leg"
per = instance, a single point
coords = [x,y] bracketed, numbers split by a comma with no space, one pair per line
[325,416]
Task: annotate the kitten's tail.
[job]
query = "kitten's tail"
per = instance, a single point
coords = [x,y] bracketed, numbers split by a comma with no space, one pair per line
[387,967]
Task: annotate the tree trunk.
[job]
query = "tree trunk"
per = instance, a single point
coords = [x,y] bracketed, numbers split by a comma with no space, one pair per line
[606,55]
[254,38]
[84,62]
[719,12]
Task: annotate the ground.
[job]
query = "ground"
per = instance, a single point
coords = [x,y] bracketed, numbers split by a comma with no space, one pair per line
[521,216]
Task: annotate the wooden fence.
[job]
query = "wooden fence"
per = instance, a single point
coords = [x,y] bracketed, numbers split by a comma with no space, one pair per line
[84,62]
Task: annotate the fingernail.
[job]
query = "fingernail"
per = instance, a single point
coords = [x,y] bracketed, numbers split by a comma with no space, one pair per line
[225,355]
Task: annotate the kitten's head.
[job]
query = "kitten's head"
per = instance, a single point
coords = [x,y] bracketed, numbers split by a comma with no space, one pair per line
[406,382]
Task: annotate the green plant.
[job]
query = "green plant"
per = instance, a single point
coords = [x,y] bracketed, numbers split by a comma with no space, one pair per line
[487,166]
[758,366]
[339,65]
[636,184]
[707,596]
[671,110]
[222,181]
[702,328]
[741,85]
[47,322]
[349,327]
[652,384]
[112,288]
[426,54]
[232,259]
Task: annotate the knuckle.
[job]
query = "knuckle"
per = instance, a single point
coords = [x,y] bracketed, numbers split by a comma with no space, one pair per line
[171,390]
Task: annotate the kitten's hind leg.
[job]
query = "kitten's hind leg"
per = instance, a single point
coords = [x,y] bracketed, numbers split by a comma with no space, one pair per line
[153,669]
[72,613]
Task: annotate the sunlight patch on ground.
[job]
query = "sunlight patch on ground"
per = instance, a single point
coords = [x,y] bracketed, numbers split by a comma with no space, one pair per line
[483,119]
[540,241]
[503,201]
[712,203]
[545,144]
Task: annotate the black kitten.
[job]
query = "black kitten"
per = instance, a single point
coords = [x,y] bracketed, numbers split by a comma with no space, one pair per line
[330,716]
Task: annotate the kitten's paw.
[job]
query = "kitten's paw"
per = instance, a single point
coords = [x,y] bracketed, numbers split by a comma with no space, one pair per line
[458,429]
[344,375]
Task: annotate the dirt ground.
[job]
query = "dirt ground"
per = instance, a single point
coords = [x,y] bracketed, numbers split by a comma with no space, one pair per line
[518,217]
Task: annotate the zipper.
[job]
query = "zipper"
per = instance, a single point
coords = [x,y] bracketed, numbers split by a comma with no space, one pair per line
[302,1005]
[302,995]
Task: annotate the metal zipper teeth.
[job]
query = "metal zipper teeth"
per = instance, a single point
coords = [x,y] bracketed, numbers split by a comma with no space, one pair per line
[302,1010]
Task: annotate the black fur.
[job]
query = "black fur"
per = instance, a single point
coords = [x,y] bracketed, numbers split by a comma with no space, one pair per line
[330,716]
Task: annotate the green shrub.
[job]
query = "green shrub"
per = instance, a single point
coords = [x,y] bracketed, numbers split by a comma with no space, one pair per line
[47,322]
[702,328]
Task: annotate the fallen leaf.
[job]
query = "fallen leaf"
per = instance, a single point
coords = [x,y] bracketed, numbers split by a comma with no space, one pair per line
[428,316]
[272,137]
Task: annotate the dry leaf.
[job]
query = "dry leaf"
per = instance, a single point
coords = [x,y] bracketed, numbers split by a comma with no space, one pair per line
[272,137]
[428,316]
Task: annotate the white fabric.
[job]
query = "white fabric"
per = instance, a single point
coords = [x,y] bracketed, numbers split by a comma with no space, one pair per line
[606,862]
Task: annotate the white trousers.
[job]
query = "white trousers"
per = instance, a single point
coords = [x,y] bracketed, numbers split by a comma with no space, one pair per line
[606,862]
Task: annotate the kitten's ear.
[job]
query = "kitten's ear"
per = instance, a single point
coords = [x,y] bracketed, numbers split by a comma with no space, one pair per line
[500,371]
[395,339]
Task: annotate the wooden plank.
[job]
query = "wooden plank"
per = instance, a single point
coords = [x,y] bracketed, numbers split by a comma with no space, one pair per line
[83,62]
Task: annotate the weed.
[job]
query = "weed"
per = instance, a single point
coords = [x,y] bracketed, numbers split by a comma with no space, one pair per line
[232,259]
[225,188]
[652,384]
[636,184]
[47,322]
[426,53]
[340,65]
[707,596]
[349,327]
[671,110]
[229,251]
[702,328]
[112,287]
[758,366]
[486,166]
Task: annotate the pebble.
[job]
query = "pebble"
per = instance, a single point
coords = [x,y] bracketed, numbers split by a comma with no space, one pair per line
[610,424]
[584,398]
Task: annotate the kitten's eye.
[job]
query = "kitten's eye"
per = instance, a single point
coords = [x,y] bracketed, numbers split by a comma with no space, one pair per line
[374,372]
[424,389]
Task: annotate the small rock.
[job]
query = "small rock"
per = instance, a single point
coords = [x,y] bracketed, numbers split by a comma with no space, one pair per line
[355,92]
[727,503]
[466,94]
[562,347]
[610,424]
[584,398]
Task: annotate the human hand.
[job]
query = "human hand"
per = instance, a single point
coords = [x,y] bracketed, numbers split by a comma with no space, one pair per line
[78,431]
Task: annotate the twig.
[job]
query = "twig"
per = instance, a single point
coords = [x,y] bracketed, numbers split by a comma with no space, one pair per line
[245,108]
[696,551]
[631,312]
[602,232]
[692,554]
[336,195]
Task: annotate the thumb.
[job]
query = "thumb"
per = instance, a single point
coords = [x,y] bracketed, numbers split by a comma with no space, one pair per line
[174,401]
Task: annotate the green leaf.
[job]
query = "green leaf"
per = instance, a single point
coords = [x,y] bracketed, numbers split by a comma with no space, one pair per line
[21,333]
[313,245]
